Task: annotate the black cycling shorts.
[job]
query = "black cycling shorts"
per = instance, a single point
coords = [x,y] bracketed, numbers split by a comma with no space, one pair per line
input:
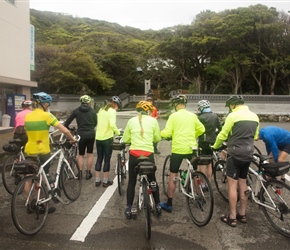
[237,169]
[175,161]
[285,148]
[86,144]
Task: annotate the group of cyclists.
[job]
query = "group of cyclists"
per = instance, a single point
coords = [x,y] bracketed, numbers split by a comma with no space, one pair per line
[186,130]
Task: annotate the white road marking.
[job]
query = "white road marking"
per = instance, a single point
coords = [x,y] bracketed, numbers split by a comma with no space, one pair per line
[88,222]
[287,177]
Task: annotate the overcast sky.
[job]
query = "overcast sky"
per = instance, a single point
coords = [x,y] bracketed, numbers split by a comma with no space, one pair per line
[146,14]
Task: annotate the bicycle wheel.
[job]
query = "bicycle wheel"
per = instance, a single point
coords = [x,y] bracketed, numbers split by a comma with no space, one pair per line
[146,209]
[28,216]
[220,179]
[166,174]
[120,174]
[199,199]
[10,177]
[279,194]
[70,181]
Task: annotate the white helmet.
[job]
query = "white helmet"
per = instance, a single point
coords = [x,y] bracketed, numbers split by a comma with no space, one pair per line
[203,104]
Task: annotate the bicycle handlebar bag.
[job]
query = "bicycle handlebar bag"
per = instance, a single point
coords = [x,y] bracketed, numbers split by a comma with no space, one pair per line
[118,146]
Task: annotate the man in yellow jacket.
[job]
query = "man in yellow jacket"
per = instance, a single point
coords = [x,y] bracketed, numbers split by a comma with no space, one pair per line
[184,128]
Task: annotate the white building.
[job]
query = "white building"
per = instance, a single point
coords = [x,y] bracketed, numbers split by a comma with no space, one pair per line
[16,50]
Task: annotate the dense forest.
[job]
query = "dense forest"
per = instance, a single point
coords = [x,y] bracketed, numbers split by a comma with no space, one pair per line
[237,51]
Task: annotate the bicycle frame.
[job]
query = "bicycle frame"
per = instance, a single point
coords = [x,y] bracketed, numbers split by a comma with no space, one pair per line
[260,180]
[140,201]
[187,181]
[43,178]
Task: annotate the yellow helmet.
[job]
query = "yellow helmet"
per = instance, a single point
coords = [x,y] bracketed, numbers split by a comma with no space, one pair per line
[145,105]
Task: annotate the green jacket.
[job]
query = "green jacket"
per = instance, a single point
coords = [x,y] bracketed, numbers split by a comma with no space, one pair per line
[240,129]
[151,133]
[106,124]
[184,127]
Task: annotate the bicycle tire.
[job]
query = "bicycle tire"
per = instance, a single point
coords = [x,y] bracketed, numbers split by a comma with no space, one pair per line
[30,218]
[120,175]
[280,194]
[257,150]
[71,182]
[10,178]
[220,179]
[166,174]
[200,208]
[146,209]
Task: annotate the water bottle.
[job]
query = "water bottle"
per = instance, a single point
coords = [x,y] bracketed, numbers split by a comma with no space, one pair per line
[183,177]
[50,180]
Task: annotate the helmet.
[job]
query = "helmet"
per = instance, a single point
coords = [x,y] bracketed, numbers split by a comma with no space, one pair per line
[85,99]
[26,103]
[235,99]
[144,105]
[42,97]
[203,104]
[149,99]
[179,99]
[117,100]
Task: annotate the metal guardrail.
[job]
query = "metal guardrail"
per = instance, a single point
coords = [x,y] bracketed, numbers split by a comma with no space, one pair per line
[223,98]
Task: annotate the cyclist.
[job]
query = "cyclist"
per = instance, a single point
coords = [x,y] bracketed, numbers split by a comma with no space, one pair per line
[277,141]
[240,129]
[86,121]
[212,124]
[184,128]
[19,132]
[154,113]
[140,132]
[37,124]
[104,137]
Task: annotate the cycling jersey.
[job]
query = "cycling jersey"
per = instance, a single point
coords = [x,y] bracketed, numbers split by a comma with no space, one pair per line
[37,125]
[274,137]
[240,129]
[106,124]
[184,128]
[133,135]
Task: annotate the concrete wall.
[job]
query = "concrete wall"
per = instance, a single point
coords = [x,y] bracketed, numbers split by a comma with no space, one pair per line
[15,40]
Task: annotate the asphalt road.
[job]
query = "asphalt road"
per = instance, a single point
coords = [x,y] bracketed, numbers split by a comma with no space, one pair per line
[108,228]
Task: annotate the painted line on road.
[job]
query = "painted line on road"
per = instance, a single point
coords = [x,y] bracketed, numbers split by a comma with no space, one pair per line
[287,177]
[88,222]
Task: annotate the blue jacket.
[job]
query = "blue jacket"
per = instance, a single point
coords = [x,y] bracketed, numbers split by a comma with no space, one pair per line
[274,137]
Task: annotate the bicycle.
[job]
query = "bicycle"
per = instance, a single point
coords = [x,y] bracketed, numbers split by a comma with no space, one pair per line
[145,200]
[121,162]
[272,196]
[195,186]
[219,170]
[10,177]
[29,206]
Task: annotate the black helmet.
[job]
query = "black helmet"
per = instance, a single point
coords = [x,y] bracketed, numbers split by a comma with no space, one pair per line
[179,99]
[234,100]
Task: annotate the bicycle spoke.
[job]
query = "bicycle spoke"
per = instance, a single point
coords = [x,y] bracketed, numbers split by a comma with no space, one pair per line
[279,194]
[220,179]
[146,209]
[29,216]
[166,174]
[199,199]
[70,180]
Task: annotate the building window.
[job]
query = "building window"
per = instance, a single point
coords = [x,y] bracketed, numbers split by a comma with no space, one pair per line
[11,1]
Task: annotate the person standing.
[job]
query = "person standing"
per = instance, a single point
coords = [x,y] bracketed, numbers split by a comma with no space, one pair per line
[154,113]
[277,142]
[37,124]
[104,137]
[19,131]
[86,119]
[184,128]
[240,129]
[140,132]
[212,125]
